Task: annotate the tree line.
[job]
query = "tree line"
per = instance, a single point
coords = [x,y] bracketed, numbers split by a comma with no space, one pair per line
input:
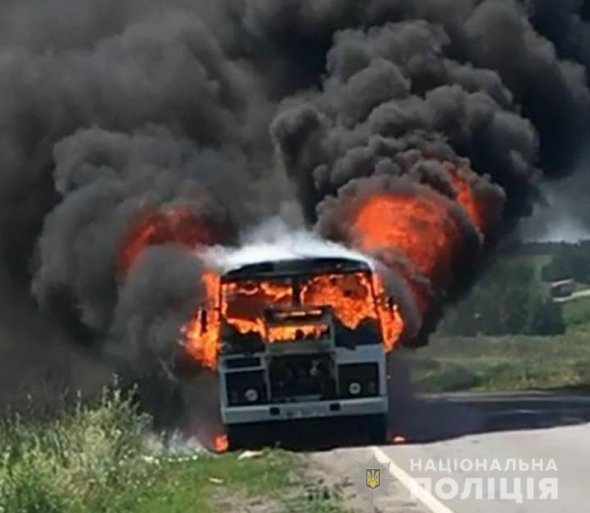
[570,261]
[509,300]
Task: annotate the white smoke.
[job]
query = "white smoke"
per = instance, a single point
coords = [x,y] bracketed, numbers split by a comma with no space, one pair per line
[564,215]
[275,240]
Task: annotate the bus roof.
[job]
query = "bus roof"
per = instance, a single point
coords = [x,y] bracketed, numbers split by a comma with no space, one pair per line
[296,267]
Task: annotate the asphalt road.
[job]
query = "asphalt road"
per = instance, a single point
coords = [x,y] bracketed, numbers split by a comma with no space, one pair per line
[476,434]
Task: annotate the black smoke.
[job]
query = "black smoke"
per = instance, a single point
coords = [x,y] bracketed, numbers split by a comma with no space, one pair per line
[237,110]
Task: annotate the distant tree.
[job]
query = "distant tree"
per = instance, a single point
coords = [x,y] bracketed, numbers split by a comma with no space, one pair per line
[580,264]
[515,274]
[570,261]
[515,311]
[546,318]
[461,320]
[508,301]
[558,269]
[491,307]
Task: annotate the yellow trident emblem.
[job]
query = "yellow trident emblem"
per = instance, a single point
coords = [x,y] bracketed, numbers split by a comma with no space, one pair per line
[373,478]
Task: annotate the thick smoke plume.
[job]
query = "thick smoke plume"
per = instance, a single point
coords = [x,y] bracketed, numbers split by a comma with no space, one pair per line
[237,111]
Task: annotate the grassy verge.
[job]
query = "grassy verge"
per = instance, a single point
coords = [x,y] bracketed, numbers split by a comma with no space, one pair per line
[503,363]
[273,483]
[576,314]
[94,460]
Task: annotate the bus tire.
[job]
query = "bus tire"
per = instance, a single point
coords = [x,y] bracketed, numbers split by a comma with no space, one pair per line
[377,428]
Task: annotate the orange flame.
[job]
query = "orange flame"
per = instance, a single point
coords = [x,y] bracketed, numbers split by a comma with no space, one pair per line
[391,320]
[399,439]
[350,296]
[245,301]
[353,298]
[221,443]
[201,334]
[466,198]
[290,333]
[420,228]
[151,227]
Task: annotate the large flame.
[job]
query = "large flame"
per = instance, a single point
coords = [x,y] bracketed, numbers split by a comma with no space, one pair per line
[421,229]
[202,333]
[390,318]
[152,227]
[466,198]
[418,234]
[244,303]
[350,296]
[353,298]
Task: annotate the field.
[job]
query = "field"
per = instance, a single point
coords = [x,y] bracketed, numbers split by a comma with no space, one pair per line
[520,339]
[96,460]
[514,362]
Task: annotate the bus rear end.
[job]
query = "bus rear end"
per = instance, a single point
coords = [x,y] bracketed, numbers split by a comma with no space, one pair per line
[301,339]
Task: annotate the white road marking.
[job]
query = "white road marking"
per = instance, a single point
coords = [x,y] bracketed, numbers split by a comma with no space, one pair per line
[419,492]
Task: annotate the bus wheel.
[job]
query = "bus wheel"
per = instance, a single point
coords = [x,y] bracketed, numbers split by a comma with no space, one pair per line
[236,436]
[377,428]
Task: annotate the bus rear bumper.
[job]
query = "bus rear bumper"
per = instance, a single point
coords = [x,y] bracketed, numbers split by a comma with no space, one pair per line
[304,410]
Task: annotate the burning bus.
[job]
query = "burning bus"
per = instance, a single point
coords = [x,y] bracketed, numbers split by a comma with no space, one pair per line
[298,339]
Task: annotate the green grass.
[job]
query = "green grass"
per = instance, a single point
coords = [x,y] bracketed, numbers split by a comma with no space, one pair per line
[517,362]
[94,460]
[503,363]
[223,483]
[536,261]
[576,314]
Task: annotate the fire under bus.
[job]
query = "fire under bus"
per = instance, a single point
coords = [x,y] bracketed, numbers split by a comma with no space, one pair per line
[301,339]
